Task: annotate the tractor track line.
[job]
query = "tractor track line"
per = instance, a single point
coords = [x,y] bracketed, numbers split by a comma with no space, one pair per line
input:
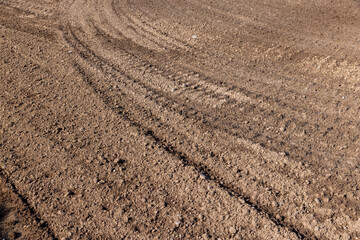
[42,224]
[187,161]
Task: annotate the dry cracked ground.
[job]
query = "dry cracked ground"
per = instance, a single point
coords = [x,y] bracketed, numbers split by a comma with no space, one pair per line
[167,119]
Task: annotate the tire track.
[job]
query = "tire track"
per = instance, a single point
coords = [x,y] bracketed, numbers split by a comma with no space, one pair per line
[204,95]
[38,10]
[299,95]
[13,19]
[280,104]
[88,57]
[201,170]
[186,161]
[43,224]
[139,24]
[110,74]
[310,91]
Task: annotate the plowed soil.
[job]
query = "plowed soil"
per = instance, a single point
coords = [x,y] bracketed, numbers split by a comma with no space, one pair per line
[166,119]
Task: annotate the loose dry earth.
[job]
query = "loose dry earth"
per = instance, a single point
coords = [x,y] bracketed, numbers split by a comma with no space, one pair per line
[166,119]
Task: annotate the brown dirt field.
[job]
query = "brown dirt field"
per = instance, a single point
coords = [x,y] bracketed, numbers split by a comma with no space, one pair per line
[198,119]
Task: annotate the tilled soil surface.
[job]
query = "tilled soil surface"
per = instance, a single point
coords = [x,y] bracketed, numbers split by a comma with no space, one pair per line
[166,119]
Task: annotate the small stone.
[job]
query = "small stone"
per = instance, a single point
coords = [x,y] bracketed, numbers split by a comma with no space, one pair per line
[204,176]
[178,220]
[174,90]
[205,236]
[60,213]
[232,230]
[194,37]
[101,181]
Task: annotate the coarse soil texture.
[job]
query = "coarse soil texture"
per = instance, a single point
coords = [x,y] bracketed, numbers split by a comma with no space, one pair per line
[167,119]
